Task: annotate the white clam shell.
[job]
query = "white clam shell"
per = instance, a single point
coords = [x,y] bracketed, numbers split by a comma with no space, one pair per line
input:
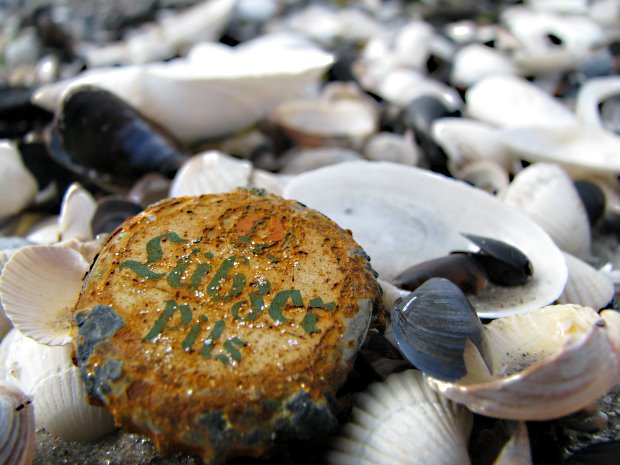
[401,421]
[298,161]
[578,148]
[76,213]
[18,187]
[215,93]
[476,61]
[39,286]
[403,215]
[17,429]
[157,41]
[586,285]
[546,364]
[486,175]
[546,194]
[388,146]
[212,172]
[591,94]
[466,140]
[510,101]
[59,394]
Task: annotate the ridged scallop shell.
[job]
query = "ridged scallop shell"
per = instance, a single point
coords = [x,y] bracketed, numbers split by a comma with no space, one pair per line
[403,215]
[578,148]
[17,430]
[401,421]
[546,364]
[212,172]
[18,187]
[511,102]
[48,373]
[212,93]
[76,212]
[547,195]
[39,286]
[585,285]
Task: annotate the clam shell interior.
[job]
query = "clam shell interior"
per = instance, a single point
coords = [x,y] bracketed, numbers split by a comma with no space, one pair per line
[404,215]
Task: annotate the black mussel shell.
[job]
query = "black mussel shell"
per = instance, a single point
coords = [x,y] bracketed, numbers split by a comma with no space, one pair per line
[432,325]
[463,270]
[101,132]
[111,212]
[593,200]
[504,264]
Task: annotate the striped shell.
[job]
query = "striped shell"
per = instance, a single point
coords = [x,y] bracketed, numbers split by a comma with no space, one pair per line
[17,430]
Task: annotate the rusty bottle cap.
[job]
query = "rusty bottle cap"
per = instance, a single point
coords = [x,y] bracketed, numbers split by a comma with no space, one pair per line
[218,323]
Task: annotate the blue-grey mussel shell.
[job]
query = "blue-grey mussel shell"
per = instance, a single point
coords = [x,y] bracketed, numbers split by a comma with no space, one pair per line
[97,131]
[432,326]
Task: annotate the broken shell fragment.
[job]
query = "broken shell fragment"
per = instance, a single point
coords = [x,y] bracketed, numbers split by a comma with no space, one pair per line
[545,364]
[432,326]
[17,426]
[436,429]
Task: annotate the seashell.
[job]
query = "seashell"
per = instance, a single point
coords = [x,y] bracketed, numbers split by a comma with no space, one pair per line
[432,326]
[149,189]
[17,430]
[517,450]
[342,116]
[437,430]
[547,195]
[412,44]
[99,131]
[579,149]
[38,287]
[48,373]
[591,95]
[585,285]
[391,293]
[545,364]
[486,175]
[76,212]
[195,100]
[549,41]
[211,172]
[466,140]
[576,7]
[387,146]
[512,102]
[476,61]
[425,214]
[18,187]
[299,160]
[110,212]
[204,21]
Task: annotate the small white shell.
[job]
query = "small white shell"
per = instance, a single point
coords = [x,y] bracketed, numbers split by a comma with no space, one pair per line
[486,175]
[476,61]
[546,364]
[388,146]
[212,172]
[403,215]
[18,187]
[591,94]
[546,194]
[76,213]
[271,182]
[300,160]
[511,102]
[38,287]
[585,285]
[578,148]
[401,421]
[17,430]
[48,373]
